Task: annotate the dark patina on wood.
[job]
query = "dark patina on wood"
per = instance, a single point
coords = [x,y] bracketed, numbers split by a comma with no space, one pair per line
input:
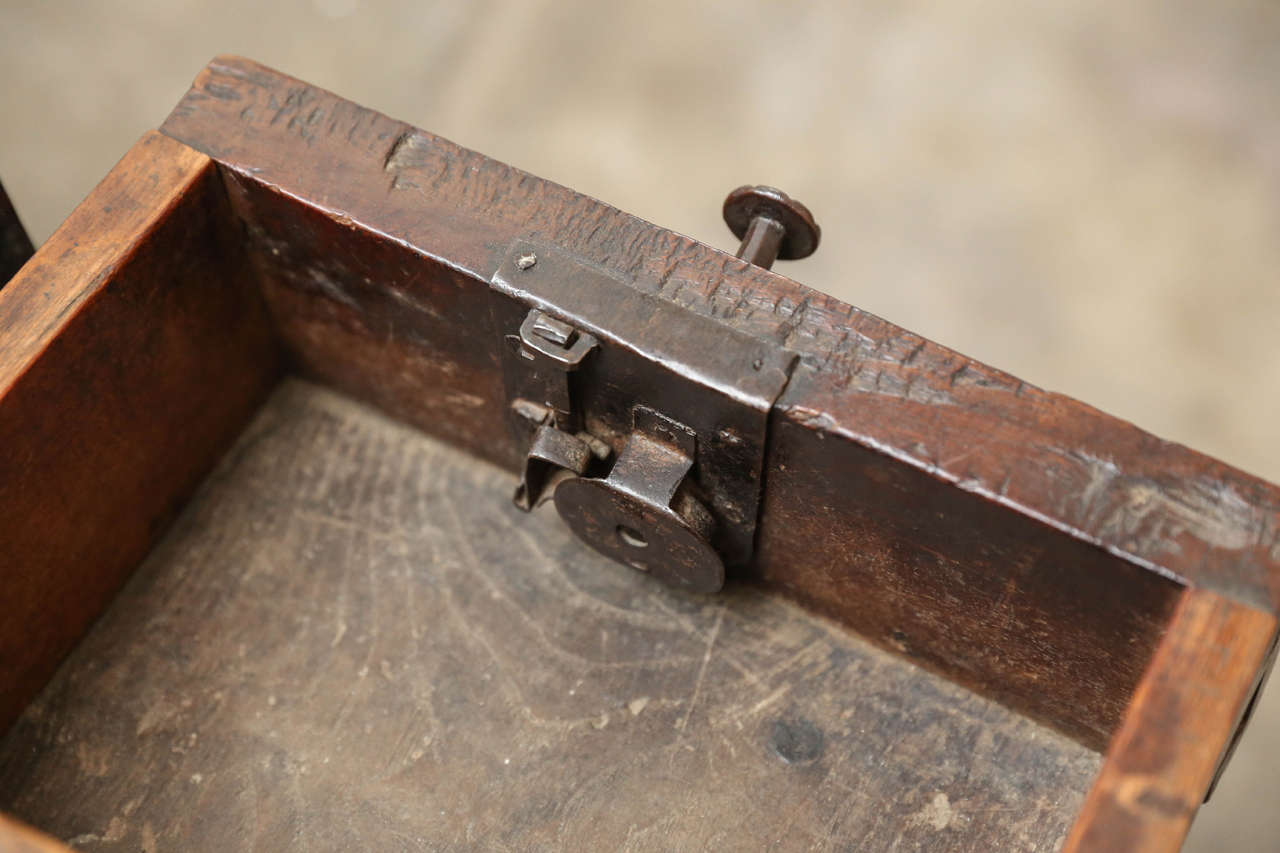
[1016,540]
[345,643]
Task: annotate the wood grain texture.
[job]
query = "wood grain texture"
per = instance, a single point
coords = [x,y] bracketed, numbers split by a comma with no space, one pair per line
[1154,502]
[15,245]
[133,347]
[346,643]
[370,318]
[1022,521]
[1050,625]
[1163,758]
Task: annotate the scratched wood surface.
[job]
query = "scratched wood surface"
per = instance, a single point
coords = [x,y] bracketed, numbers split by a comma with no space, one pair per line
[351,640]
[1154,501]
[1019,541]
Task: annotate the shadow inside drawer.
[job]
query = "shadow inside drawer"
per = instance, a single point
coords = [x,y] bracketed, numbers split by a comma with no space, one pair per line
[352,640]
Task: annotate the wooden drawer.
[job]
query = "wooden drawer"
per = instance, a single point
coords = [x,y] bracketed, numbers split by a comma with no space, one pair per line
[265,587]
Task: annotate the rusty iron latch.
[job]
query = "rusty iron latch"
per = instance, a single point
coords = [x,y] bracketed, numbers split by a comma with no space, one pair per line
[644,421]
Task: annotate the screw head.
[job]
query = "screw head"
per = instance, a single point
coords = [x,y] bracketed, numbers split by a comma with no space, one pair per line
[800,232]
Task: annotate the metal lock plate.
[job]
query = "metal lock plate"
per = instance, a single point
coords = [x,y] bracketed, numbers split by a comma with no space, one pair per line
[647,384]
[644,514]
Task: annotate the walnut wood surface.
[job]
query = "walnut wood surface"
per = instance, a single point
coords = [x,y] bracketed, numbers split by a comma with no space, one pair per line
[133,350]
[1163,758]
[1019,541]
[15,245]
[346,644]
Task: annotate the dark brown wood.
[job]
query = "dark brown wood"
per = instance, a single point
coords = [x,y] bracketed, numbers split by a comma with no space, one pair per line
[1018,541]
[134,348]
[1153,502]
[346,644]
[15,245]
[1044,622]
[1163,758]
[1015,541]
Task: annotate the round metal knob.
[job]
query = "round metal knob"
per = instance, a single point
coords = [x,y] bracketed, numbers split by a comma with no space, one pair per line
[771,225]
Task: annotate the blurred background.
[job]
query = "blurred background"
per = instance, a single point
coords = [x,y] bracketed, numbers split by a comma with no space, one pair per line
[1084,194]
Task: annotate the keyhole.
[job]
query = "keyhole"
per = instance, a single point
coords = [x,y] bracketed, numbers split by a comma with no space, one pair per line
[632,537]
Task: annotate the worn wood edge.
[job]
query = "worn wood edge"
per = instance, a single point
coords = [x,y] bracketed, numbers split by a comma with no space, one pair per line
[1152,502]
[17,837]
[99,459]
[30,315]
[1184,714]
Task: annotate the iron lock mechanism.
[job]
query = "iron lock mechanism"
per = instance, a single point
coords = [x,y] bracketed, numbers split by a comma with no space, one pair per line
[642,513]
[645,422]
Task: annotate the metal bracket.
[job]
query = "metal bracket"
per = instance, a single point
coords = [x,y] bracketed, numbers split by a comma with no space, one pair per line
[551,351]
[596,368]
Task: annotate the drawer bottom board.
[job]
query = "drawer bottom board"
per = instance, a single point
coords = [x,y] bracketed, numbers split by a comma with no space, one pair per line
[351,640]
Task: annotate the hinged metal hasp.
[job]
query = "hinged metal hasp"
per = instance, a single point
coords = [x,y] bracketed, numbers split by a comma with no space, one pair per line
[646,419]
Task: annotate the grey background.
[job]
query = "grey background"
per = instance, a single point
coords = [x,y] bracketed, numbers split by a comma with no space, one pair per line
[1085,194]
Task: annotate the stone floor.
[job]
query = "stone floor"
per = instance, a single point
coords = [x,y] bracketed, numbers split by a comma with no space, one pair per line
[1085,194]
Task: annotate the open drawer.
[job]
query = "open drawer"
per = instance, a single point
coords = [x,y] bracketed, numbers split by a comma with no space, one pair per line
[265,587]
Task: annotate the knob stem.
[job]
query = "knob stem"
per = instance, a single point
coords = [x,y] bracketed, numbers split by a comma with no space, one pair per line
[761,242]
